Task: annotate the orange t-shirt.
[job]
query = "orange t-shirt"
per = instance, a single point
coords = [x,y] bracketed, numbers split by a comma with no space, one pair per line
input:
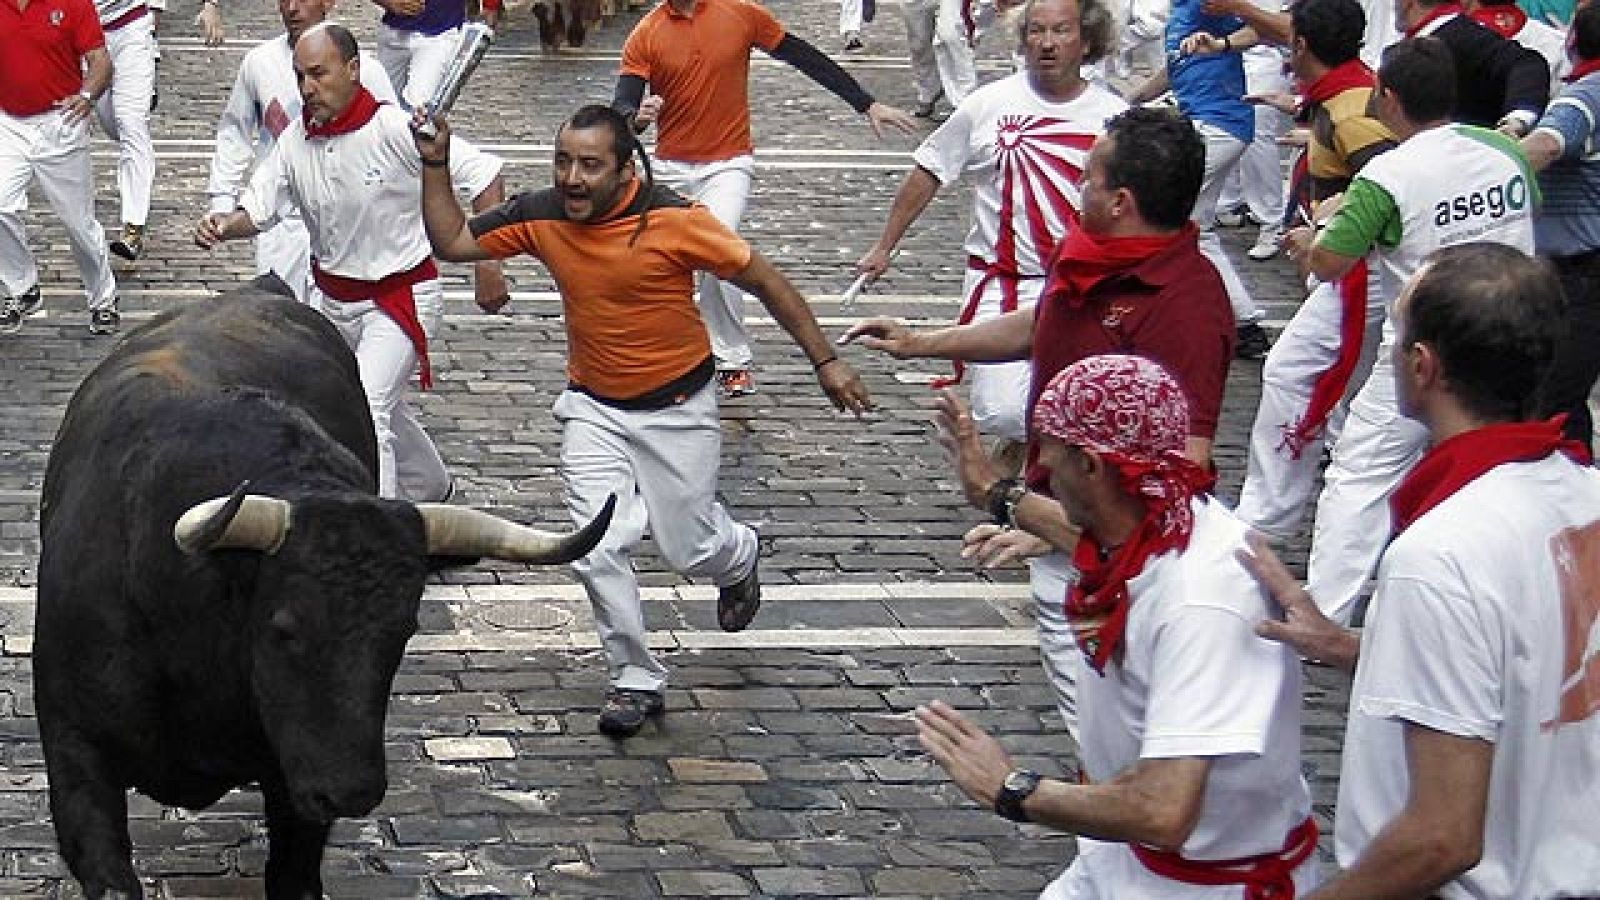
[700,65]
[632,323]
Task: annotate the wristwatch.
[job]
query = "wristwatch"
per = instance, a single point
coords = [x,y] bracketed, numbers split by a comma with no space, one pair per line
[1017,787]
[1002,500]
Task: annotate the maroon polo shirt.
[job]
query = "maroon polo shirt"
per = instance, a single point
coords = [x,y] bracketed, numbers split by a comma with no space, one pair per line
[1172,308]
[40,52]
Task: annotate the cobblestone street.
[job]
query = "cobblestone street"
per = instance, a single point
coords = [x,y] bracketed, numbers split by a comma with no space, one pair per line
[786,765]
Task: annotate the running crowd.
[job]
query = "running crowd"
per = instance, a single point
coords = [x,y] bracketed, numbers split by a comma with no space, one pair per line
[1443,205]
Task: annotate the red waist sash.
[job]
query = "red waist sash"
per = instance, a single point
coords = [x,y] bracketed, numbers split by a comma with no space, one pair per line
[392,294]
[1269,876]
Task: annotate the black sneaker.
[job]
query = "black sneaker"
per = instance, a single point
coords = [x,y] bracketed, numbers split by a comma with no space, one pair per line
[926,110]
[104,321]
[14,309]
[738,602]
[130,245]
[1253,342]
[626,709]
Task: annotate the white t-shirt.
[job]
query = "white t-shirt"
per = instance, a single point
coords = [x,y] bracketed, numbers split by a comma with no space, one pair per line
[265,99]
[1482,627]
[1024,156]
[360,193]
[1196,681]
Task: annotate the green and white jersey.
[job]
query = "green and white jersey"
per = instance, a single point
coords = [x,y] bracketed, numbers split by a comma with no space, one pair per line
[1445,186]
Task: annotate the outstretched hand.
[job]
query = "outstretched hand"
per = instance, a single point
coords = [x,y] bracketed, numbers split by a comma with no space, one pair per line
[972,757]
[884,335]
[992,546]
[882,115]
[1302,626]
[844,387]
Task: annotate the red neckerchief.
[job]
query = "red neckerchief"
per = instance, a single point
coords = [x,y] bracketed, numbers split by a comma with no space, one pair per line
[1098,602]
[1583,67]
[1083,260]
[1455,463]
[1349,74]
[1437,13]
[1505,21]
[391,294]
[363,106]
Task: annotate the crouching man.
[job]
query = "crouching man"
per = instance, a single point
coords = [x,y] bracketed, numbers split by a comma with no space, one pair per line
[1189,722]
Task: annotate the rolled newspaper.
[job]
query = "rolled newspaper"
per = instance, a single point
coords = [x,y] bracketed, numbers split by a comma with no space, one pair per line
[474,43]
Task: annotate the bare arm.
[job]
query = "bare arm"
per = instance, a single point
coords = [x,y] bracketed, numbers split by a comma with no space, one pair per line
[1154,801]
[915,193]
[98,76]
[1005,338]
[1439,833]
[839,381]
[490,290]
[446,225]
[1153,87]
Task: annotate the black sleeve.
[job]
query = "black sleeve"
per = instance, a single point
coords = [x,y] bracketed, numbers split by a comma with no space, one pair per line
[1527,78]
[628,95]
[1521,74]
[824,71]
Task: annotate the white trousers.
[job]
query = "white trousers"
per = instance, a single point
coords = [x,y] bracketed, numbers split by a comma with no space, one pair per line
[1258,182]
[850,16]
[998,392]
[415,62]
[1277,485]
[285,250]
[1223,152]
[1048,579]
[723,187]
[941,53]
[662,467]
[58,153]
[124,114]
[409,466]
[1109,871]
[1375,450]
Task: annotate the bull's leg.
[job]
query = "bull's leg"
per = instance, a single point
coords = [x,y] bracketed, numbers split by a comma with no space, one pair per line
[294,857]
[90,811]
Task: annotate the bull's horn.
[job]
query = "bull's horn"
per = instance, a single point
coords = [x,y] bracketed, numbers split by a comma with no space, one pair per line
[459,531]
[245,521]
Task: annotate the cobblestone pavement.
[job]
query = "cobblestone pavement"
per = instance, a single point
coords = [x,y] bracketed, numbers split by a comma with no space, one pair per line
[786,766]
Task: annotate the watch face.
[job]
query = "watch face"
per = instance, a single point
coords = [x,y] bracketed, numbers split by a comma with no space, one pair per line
[1018,780]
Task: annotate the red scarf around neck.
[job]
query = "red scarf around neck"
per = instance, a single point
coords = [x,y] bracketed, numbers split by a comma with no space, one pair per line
[1352,73]
[363,106]
[1454,463]
[1505,21]
[1098,602]
[1083,260]
[1583,67]
[1434,15]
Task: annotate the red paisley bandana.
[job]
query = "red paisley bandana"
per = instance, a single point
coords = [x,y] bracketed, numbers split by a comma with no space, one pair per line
[1130,412]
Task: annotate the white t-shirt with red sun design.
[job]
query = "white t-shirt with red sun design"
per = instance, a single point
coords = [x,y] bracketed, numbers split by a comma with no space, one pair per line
[1024,156]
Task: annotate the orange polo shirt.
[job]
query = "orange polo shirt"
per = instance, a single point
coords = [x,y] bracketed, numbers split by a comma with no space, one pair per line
[632,323]
[700,65]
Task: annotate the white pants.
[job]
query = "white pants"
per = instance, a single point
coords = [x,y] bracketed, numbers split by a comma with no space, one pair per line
[1223,152]
[44,145]
[1048,579]
[1258,182]
[998,392]
[941,49]
[285,250]
[723,187]
[662,467]
[850,16]
[124,113]
[415,62]
[1109,871]
[409,466]
[1375,450]
[1277,484]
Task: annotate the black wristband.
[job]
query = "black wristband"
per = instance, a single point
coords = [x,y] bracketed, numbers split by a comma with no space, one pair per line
[436,163]
[1001,497]
[817,366]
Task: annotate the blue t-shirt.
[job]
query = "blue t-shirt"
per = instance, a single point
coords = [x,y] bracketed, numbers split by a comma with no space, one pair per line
[1209,88]
[437,17]
[1566,224]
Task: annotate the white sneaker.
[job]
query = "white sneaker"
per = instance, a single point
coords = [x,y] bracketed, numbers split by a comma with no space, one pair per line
[1266,245]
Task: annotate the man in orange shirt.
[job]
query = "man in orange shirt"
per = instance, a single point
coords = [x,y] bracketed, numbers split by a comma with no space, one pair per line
[639,415]
[695,56]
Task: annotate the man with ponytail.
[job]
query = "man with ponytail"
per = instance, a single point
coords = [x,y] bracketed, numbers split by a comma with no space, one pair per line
[639,415]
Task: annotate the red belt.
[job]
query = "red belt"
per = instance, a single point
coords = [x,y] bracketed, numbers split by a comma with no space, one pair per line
[129,17]
[392,294]
[1269,876]
[969,310]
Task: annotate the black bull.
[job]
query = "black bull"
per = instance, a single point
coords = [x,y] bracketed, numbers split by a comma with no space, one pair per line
[192,636]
